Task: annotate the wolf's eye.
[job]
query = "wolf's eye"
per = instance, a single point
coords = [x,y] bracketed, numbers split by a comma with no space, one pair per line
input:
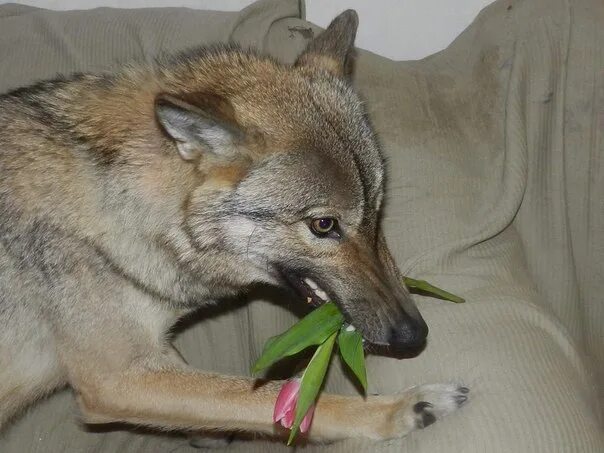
[324,226]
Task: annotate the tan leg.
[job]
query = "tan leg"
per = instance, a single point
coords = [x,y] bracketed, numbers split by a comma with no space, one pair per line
[122,370]
[181,398]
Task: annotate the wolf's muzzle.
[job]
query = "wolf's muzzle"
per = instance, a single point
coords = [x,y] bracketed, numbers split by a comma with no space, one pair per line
[408,334]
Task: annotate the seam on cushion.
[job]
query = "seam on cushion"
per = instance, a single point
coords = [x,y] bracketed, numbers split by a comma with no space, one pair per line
[242,18]
[270,27]
[302,9]
[563,170]
[15,9]
[301,14]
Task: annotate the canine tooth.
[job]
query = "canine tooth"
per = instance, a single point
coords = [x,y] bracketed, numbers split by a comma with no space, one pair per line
[309,300]
[322,294]
[310,283]
[350,328]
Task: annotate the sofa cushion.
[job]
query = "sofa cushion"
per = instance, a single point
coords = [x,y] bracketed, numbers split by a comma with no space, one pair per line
[39,44]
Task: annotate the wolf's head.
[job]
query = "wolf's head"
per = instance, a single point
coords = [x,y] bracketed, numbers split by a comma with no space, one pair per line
[293,180]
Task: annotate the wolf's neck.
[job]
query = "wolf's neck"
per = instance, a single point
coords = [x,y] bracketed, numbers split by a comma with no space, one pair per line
[135,187]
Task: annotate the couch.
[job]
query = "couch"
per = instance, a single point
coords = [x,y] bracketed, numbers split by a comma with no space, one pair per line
[495,151]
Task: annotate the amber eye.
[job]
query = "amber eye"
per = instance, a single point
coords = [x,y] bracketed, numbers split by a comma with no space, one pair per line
[323,226]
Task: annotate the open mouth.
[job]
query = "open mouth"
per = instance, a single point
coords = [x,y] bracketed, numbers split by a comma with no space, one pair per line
[312,293]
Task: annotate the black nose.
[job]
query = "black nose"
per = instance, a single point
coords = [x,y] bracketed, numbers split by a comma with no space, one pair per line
[408,334]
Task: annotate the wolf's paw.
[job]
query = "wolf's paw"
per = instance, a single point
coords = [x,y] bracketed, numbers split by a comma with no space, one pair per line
[429,403]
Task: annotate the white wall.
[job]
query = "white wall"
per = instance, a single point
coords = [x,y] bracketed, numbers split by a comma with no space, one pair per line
[398,29]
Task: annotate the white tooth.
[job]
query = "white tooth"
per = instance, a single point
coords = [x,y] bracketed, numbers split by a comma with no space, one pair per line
[322,294]
[310,283]
[309,300]
[350,328]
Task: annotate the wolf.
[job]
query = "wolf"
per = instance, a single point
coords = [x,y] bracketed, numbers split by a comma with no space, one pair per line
[131,199]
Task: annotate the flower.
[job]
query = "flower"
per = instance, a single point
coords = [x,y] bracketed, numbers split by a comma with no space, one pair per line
[285,406]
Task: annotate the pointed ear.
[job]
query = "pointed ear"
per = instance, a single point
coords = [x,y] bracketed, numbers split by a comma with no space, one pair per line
[333,49]
[197,129]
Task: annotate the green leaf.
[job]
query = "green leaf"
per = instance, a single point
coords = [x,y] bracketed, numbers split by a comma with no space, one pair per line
[423,285]
[313,329]
[312,379]
[351,351]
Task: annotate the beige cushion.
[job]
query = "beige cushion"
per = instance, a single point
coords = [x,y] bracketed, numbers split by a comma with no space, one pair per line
[489,143]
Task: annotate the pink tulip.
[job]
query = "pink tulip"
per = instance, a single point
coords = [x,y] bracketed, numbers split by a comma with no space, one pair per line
[285,406]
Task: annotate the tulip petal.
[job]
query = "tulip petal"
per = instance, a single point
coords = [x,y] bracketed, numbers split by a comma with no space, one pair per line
[286,400]
[307,419]
[288,419]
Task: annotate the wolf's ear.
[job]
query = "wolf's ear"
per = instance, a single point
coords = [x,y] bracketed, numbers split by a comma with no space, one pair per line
[197,130]
[333,49]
